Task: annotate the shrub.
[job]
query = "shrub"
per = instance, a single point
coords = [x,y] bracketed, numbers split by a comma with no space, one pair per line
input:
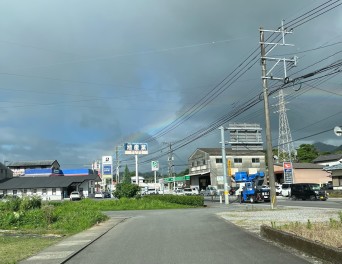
[28,203]
[191,200]
[12,203]
[127,190]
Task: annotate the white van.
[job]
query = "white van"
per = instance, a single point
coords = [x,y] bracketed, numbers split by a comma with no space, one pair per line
[286,189]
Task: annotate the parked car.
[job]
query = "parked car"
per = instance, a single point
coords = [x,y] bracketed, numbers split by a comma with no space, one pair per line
[99,195]
[191,191]
[179,192]
[75,195]
[266,191]
[308,191]
[107,195]
[278,189]
[209,191]
[286,189]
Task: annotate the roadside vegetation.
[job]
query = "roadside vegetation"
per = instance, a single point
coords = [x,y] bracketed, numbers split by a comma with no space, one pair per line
[327,233]
[28,225]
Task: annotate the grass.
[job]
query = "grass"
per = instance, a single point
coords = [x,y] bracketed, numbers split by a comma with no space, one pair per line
[21,220]
[15,248]
[327,233]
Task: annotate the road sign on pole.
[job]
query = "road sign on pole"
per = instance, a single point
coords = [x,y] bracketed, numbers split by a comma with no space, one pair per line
[155,165]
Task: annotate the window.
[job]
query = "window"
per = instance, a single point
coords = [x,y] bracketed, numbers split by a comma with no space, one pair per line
[203,161]
[34,190]
[4,192]
[238,160]
[192,164]
[25,191]
[53,191]
[218,160]
[15,192]
[255,160]
[44,191]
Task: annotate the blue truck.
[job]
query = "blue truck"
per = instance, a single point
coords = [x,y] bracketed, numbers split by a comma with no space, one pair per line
[251,187]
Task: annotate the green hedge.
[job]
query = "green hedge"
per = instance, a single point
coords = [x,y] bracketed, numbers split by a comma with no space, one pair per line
[191,200]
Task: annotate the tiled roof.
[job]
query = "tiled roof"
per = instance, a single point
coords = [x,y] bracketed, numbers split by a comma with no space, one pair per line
[44,182]
[332,157]
[303,165]
[31,163]
[333,167]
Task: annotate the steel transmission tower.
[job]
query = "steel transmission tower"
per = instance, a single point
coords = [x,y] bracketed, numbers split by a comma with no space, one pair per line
[286,150]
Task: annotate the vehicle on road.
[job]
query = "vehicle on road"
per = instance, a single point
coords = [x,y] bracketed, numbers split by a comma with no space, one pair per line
[75,195]
[179,192]
[308,191]
[286,189]
[191,191]
[107,195]
[209,191]
[278,189]
[265,189]
[250,187]
[99,195]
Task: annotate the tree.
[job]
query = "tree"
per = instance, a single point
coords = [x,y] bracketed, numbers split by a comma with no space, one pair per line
[306,153]
[127,190]
[126,176]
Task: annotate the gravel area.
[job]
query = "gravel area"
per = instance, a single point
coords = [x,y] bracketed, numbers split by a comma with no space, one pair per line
[252,218]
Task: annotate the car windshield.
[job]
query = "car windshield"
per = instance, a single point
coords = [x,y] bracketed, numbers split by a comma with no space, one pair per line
[315,187]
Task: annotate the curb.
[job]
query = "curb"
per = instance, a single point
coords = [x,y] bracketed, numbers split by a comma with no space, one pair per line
[313,248]
[67,248]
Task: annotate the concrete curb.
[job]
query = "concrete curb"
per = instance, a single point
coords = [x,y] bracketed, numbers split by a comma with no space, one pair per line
[69,247]
[317,250]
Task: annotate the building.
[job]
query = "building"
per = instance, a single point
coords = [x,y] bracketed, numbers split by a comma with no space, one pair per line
[336,175]
[5,172]
[303,173]
[328,160]
[46,179]
[205,165]
[19,167]
[49,188]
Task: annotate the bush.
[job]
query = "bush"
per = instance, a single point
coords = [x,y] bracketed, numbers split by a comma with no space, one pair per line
[191,200]
[126,190]
[12,203]
[28,203]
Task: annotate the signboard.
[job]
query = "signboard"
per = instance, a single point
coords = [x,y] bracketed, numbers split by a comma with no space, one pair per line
[107,169]
[135,148]
[107,160]
[229,168]
[155,165]
[288,172]
[178,178]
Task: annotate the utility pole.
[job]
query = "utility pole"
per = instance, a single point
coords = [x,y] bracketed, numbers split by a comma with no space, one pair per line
[268,123]
[224,164]
[117,164]
[170,165]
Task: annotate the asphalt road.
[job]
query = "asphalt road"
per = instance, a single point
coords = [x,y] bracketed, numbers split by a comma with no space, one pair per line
[181,236]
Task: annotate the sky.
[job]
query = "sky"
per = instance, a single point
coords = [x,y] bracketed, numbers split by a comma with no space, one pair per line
[80,78]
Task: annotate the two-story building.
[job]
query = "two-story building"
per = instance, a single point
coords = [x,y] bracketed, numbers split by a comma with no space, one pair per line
[206,165]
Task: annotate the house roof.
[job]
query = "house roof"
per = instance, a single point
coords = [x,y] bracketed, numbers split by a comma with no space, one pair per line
[31,163]
[229,151]
[303,165]
[44,182]
[332,157]
[333,167]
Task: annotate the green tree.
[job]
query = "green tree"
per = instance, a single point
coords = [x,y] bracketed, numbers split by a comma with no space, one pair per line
[127,190]
[126,176]
[306,153]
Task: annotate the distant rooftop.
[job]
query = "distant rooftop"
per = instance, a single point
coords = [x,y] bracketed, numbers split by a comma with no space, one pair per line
[326,158]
